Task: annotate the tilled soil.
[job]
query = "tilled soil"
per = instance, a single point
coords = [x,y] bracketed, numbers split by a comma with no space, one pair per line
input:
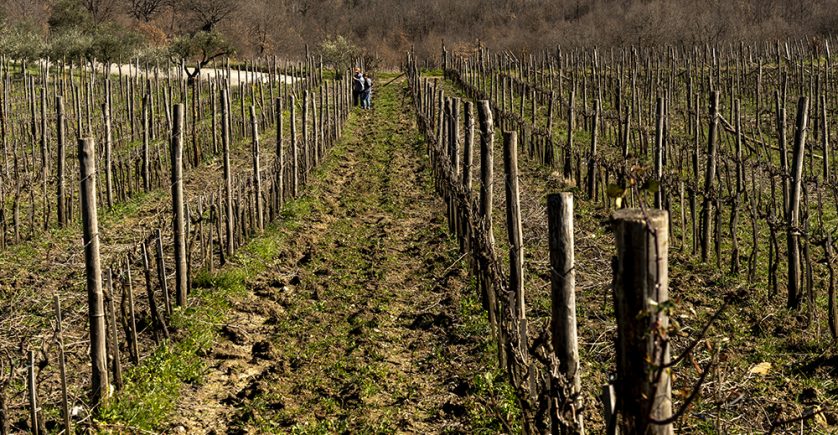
[365,322]
[33,271]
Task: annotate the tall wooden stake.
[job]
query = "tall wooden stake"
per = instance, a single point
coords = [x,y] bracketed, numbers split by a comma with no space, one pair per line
[177,206]
[93,271]
[59,127]
[228,176]
[795,293]
[563,320]
[257,177]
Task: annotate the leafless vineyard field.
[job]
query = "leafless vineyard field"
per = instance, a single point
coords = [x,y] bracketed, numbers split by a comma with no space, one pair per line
[716,316]
[646,235]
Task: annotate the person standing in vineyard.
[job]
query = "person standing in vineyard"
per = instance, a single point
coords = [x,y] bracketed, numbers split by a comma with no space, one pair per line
[357,87]
[366,101]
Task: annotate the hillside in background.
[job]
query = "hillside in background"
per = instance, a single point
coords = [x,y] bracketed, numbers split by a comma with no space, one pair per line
[388,28]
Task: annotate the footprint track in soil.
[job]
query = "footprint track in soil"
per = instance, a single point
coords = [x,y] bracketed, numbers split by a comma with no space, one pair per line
[356,325]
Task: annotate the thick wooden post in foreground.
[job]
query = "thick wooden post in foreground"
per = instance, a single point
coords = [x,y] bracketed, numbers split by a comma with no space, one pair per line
[641,285]
[519,368]
[487,146]
[563,320]
[93,270]
[513,222]
[178,221]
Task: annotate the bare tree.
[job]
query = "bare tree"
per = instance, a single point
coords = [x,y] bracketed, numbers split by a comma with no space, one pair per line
[262,22]
[145,10]
[198,50]
[100,10]
[208,13]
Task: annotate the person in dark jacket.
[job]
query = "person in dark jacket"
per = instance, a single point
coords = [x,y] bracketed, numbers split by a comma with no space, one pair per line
[357,87]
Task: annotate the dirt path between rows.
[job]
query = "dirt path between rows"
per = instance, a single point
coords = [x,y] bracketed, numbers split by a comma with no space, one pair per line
[365,321]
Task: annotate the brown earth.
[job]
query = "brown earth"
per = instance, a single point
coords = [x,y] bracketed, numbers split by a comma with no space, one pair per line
[365,321]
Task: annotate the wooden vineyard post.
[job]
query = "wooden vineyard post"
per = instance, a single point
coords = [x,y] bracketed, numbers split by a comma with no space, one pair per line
[294,152]
[196,146]
[280,157]
[781,133]
[487,146]
[454,160]
[146,158]
[550,152]
[454,135]
[62,366]
[161,272]
[694,164]
[114,338]
[659,151]
[592,158]
[825,139]
[106,114]
[77,104]
[213,118]
[328,119]
[832,312]
[516,248]
[440,121]
[709,176]
[228,176]
[468,160]
[563,320]
[130,109]
[93,271]
[641,286]
[133,345]
[445,145]
[305,142]
[568,152]
[59,128]
[468,144]
[178,221]
[740,186]
[157,319]
[44,155]
[257,178]
[315,128]
[795,292]
[32,390]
